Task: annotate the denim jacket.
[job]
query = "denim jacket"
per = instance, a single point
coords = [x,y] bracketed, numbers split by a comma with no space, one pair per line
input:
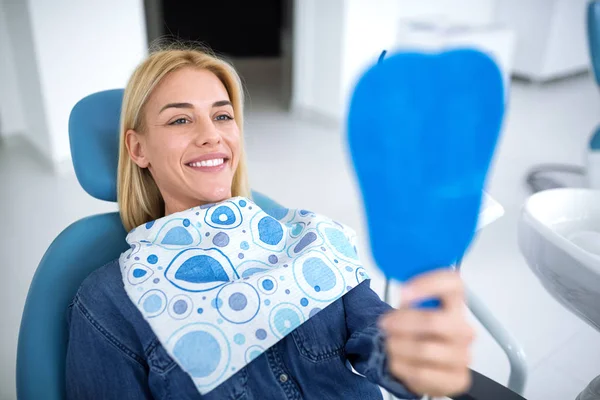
[114,354]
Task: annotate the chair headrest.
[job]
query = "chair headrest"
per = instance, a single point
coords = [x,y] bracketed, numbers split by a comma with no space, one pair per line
[94,137]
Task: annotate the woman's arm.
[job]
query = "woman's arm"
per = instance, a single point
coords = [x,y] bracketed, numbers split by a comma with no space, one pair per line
[98,365]
[365,347]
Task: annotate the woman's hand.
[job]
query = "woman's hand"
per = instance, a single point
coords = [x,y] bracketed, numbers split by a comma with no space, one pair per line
[429,349]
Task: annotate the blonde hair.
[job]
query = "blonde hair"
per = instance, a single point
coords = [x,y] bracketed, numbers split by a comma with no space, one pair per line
[139,198]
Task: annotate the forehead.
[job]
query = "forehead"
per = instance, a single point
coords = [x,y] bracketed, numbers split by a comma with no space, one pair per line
[189,85]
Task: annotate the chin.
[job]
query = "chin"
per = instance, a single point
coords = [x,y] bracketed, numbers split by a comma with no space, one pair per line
[216,195]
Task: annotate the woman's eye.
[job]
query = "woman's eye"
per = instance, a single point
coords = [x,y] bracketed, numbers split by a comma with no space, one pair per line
[179,121]
[223,117]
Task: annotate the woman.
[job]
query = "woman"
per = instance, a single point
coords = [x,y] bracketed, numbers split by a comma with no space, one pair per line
[181,146]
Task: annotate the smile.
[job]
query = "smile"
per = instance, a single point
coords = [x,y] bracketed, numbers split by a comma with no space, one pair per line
[207,163]
[216,164]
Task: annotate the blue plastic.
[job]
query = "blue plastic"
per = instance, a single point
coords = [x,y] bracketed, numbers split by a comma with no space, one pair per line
[422,129]
[80,249]
[595,140]
[94,138]
[593,28]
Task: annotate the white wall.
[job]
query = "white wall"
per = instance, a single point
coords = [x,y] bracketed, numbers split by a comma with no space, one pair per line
[335,40]
[537,13]
[465,11]
[372,26]
[568,50]
[551,36]
[65,50]
[302,54]
[83,47]
[11,113]
[31,98]
[327,62]
[368,31]
[318,29]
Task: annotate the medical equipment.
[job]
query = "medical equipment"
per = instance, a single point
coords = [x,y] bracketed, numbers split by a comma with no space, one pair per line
[542,177]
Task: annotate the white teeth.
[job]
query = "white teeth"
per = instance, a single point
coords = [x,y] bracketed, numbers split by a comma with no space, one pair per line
[208,163]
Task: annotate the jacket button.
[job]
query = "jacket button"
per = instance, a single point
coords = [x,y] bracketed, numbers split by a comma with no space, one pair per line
[283,378]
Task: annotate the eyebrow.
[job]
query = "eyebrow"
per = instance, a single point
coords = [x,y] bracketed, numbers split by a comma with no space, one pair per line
[222,103]
[219,103]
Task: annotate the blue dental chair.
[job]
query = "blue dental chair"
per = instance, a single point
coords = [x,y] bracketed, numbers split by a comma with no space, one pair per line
[93,131]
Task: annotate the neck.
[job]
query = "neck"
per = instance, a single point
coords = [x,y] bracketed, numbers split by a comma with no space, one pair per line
[172,207]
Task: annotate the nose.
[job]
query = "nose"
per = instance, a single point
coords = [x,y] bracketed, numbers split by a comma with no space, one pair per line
[207,133]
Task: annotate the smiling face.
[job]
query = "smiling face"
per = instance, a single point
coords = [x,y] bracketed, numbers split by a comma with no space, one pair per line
[190,140]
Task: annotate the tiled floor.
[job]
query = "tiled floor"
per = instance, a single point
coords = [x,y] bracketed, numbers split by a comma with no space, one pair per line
[301,162]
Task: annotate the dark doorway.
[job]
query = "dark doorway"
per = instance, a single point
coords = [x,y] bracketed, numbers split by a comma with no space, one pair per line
[255,36]
[235,28]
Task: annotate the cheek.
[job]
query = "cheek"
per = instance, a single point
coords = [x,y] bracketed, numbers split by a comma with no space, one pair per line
[235,146]
[168,149]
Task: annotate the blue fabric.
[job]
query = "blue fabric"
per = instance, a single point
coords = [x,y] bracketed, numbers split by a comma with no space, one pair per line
[94,138]
[131,364]
[422,130]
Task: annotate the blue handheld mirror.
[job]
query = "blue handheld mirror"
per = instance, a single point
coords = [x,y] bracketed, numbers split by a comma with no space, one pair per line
[422,129]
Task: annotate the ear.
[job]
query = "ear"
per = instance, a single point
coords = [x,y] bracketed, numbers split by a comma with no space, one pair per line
[136,148]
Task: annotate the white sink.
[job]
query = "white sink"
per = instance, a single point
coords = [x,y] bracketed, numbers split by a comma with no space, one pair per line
[559,235]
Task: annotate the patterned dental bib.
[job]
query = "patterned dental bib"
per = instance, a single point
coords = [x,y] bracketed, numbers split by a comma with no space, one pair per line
[220,284]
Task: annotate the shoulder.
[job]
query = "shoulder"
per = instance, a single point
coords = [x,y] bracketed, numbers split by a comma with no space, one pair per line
[363,306]
[103,302]
[363,292]
[103,288]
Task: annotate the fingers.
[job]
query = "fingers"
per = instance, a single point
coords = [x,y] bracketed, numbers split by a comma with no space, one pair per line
[445,285]
[429,349]
[429,354]
[432,381]
[445,326]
